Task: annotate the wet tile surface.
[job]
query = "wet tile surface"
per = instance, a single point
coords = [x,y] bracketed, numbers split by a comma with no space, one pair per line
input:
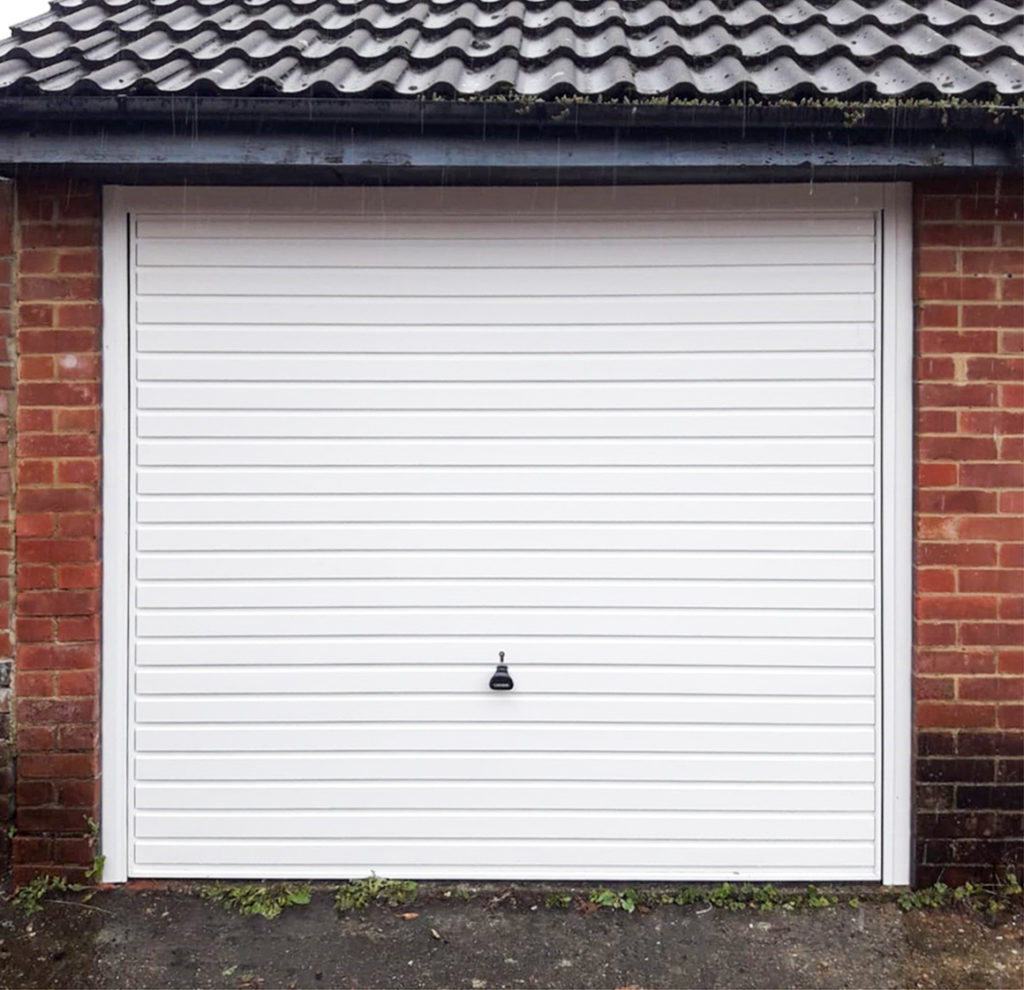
[862,49]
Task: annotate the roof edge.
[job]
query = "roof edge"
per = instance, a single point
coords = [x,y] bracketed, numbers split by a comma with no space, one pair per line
[396,149]
[668,113]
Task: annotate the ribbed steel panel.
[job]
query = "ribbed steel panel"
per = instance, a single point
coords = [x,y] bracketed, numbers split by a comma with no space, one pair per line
[546,448]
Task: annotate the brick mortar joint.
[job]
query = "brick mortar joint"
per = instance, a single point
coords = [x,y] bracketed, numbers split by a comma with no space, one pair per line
[12,444]
[51,824]
[11,355]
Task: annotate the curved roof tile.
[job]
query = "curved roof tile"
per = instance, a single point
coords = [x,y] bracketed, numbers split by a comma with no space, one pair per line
[690,48]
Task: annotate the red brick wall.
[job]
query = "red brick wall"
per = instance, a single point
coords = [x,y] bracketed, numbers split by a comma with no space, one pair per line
[6,509]
[970,402]
[970,527]
[58,525]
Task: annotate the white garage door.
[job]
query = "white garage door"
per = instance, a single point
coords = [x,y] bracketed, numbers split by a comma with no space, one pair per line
[631,444]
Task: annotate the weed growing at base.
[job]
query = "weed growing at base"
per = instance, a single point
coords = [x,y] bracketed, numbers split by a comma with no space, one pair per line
[358,894]
[265,900]
[766,897]
[28,900]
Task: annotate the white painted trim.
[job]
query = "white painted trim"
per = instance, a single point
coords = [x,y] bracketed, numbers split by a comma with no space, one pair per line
[897,532]
[114,640]
[891,200]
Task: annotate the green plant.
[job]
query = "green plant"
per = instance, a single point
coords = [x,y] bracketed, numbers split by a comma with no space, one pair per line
[929,897]
[28,900]
[684,897]
[265,900]
[618,900]
[767,897]
[95,871]
[725,898]
[29,897]
[971,896]
[764,898]
[749,896]
[557,901]
[815,898]
[358,894]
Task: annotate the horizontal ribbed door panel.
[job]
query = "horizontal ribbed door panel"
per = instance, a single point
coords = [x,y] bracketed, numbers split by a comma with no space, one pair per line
[636,453]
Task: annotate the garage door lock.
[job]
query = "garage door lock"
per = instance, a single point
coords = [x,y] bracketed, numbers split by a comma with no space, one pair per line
[500,680]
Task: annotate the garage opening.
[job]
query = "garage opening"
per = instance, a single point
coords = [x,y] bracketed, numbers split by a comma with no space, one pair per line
[647,443]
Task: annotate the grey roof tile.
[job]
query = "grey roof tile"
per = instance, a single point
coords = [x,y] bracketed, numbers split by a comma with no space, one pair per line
[689,48]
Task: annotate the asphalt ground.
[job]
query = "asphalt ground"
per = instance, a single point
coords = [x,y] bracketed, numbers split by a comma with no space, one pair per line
[481,938]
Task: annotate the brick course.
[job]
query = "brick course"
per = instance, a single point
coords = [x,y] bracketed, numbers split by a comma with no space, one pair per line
[969,521]
[57,603]
[6,509]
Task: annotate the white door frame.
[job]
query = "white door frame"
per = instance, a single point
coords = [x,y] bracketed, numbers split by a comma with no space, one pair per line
[891,203]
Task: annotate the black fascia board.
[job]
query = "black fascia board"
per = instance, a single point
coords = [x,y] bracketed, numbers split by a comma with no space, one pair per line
[282,140]
[167,175]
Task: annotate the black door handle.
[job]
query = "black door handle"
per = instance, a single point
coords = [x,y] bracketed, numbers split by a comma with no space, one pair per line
[500,679]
